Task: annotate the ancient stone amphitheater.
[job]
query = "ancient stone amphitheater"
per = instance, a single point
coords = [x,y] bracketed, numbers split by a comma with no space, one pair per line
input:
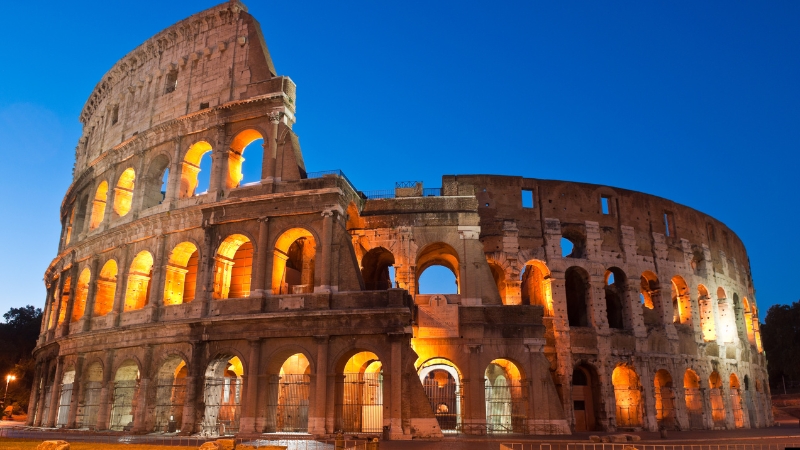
[292,304]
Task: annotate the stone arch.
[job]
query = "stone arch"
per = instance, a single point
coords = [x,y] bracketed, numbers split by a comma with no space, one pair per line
[354,220]
[81,294]
[726,328]
[155,189]
[289,373]
[375,267]
[681,301]
[748,320]
[616,288]
[576,285]
[126,384]
[236,158]
[442,381]
[438,254]
[650,296]
[233,267]
[693,399]
[505,396]
[190,168]
[106,288]
[65,395]
[138,290]
[91,388]
[627,394]
[717,403]
[536,286]
[359,392]
[123,192]
[170,394]
[707,321]
[585,394]
[99,205]
[665,399]
[499,276]
[180,277]
[736,401]
[294,258]
[222,394]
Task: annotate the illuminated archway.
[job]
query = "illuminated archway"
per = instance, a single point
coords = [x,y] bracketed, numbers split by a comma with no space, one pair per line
[736,401]
[106,289]
[748,321]
[707,322]
[92,387]
[506,403]
[628,395]
[375,269]
[499,276]
[138,289]
[65,396]
[190,168]
[170,395]
[181,274]
[126,383]
[441,381]
[650,295]
[233,267]
[536,288]
[99,205]
[65,291]
[293,262]
[437,254]
[123,192]
[223,396]
[245,141]
[81,294]
[359,394]
[694,399]
[665,400]
[727,322]
[289,396]
[681,301]
[717,404]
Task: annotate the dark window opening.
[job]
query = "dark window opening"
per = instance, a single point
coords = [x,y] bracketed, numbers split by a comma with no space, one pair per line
[527,198]
[204,105]
[669,224]
[604,203]
[115,115]
[172,81]
[580,405]
[577,299]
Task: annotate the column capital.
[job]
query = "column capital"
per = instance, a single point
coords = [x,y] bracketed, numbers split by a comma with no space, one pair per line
[275,116]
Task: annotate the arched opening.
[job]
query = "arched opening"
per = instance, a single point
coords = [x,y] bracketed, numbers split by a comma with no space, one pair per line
[126,382]
[91,389]
[195,163]
[694,399]
[170,395]
[156,182]
[650,295]
[251,143]
[223,396]
[65,290]
[573,243]
[443,278]
[106,289]
[628,396]
[180,282]
[536,288]
[359,395]
[576,283]
[377,269]
[615,290]
[748,321]
[289,396]
[293,262]
[584,401]
[736,401]
[717,404]
[99,206]
[123,192]
[681,302]
[665,400]
[506,400]
[68,226]
[138,289]
[48,380]
[80,212]
[233,267]
[65,397]
[442,382]
[707,322]
[81,294]
[499,276]
[727,321]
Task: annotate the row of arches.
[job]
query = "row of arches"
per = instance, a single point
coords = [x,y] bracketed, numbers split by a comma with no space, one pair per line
[702,407]
[195,171]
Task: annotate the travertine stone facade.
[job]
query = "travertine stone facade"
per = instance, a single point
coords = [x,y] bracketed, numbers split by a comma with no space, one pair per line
[291,304]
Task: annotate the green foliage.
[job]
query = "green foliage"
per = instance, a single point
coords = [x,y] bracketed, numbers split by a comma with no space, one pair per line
[18,337]
[780,336]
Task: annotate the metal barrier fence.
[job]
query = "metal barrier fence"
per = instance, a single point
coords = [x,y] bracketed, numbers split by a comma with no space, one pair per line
[298,442]
[638,446]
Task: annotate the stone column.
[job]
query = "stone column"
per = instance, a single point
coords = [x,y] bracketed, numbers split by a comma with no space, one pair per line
[325,254]
[54,397]
[33,402]
[139,412]
[194,395]
[39,420]
[73,287]
[317,416]
[77,388]
[395,383]
[174,179]
[249,399]
[56,311]
[259,271]
[271,153]
[88,313]
[156,300]
[598,309]
[122,287]
[475,393]
[219,164]
[205,270]
[104,408]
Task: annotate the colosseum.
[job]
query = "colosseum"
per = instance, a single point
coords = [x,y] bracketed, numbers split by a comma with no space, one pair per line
[185,299]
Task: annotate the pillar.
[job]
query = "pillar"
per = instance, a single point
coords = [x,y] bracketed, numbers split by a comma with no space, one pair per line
[206,267]
[33,399]
[88,313]
[104,408]
[73,287]
[77,388]
[325,260]
[260,269]
[317,417]
[396,386]
[174,180]
[271,153]
[193,380]
[219,164]
[140,407]
[475,393]
[52,413]
[156,300]
[122,287]
[249,399]
[39,420]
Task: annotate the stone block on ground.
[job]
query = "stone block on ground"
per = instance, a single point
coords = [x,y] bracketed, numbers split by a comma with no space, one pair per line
[53,445]
[619,438]
[225,444]
[263,447]
[633,437]
[594,438]
[210,446]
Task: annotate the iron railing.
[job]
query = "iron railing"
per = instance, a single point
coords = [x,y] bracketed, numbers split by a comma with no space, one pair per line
[170,396]
[223,406]
[337,172]
[64,400]
[289,398]
[694,408]
[122,405]
[88,409]
[360,403]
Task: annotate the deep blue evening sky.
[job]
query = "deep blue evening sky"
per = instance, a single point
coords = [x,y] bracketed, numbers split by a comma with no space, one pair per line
[698,102]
